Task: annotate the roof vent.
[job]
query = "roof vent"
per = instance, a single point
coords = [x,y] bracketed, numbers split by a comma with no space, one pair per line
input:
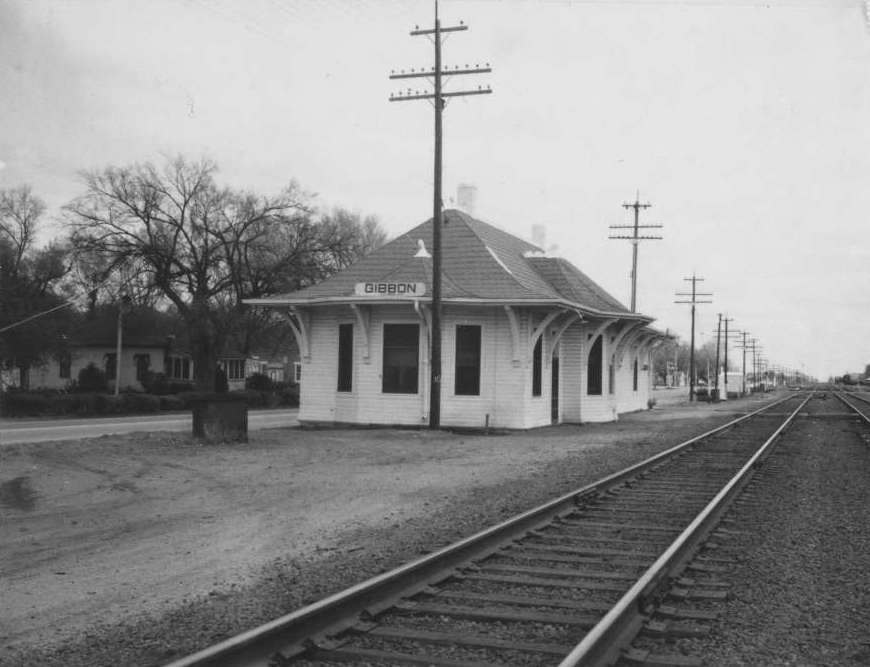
[421,249]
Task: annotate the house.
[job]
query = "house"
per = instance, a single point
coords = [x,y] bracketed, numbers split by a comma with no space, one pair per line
[527,339]
[151,342]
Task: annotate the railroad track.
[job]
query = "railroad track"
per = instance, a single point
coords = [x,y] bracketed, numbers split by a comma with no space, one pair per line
[566,583]
[721,557]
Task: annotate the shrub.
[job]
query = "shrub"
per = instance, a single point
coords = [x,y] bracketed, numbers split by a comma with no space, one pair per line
[156,383]
[171,402]
[25,404]
[91,378]
[252,397]
[289,396]
[179,386]
[140,403]
[259,382]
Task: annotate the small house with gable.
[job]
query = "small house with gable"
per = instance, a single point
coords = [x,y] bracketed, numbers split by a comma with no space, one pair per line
[527,340]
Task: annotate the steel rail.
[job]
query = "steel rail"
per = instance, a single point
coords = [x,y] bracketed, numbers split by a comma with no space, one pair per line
[256,646]
[842,397]
[603,643]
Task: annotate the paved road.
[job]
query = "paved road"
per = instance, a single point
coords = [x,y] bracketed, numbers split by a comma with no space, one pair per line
[41,430]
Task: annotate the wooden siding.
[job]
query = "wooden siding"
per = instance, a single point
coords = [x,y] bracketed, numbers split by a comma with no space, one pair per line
[505,382]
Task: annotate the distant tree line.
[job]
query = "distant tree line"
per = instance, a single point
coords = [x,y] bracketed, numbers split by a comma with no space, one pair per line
[168,237]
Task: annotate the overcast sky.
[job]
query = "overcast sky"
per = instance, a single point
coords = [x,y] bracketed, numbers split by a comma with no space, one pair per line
[743,123]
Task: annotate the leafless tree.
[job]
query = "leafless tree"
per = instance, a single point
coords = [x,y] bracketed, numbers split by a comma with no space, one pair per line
[202,246]
[20,212]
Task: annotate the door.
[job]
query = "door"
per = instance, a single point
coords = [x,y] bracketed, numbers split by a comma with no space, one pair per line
[554,392]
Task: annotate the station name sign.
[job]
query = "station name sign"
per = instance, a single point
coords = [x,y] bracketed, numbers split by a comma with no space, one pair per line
[390,289]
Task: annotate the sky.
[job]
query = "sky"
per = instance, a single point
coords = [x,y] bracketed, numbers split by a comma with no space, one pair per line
[743,123]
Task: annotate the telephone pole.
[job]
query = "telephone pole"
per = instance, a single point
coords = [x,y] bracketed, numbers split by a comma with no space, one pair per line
[635,239]
[718,345]
[726,320]
[694,294]
[438,98]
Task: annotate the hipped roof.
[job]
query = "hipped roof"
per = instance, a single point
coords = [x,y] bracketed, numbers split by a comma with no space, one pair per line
[480,264]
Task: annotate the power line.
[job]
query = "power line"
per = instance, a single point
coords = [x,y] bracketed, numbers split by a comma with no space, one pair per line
[439,100]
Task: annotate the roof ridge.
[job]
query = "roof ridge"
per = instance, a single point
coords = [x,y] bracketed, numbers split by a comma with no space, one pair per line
[471,223]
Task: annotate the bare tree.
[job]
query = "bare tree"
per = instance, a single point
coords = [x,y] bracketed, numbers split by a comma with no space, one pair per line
[202,246]
[29,278]
[20,212]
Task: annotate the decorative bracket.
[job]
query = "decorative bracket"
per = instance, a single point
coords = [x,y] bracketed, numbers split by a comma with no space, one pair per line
[514,321]
[426,318]
[300,324]
[364,318]
[626,337]
[571,319]
[541,328]
[601,328]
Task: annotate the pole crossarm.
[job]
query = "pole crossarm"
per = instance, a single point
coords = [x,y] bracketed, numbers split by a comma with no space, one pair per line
[399,97]
[635,239]
[413,74]
[434,31]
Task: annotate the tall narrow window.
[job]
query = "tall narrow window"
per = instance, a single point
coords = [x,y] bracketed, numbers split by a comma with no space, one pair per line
[110,360]
[64,364]
[401,358]
[467,382]
[143,365]
[537,358]
[593,369]
[611,378]
[634,375]
[345,357]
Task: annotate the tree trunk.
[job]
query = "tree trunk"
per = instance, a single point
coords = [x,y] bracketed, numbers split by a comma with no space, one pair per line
[204,347]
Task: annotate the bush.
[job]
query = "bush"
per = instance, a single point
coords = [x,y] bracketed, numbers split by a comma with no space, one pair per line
[91,378]
[259,382]
[140,403]
[25,404]
[171,402]
[155,383]
[289,396]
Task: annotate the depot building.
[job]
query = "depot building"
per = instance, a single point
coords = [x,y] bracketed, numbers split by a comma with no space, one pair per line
[527,339]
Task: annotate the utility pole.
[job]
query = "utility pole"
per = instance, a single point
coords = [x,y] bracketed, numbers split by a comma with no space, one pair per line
[694,301]
[635,239]
[726,320]
[438,98]
[718,344]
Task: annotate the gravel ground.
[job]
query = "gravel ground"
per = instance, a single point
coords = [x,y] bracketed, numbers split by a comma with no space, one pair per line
[800,590]
[137,550]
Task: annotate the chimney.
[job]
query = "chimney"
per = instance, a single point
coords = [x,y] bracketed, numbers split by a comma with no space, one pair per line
[539,236]
[466,197]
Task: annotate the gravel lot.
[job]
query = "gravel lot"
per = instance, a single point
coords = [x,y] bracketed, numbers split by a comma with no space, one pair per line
[136,549]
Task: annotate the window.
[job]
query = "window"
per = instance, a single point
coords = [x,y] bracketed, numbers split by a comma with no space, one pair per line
[593,369]
[109,361]
[235,369]
[345,357]
[467,380]
[634,376]
[143,364]
[611,380]
[401,358]
[178,368]
[297,372]
[537,358]
[64,363]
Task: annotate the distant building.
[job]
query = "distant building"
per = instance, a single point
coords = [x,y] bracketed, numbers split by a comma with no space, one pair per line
[527,340]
